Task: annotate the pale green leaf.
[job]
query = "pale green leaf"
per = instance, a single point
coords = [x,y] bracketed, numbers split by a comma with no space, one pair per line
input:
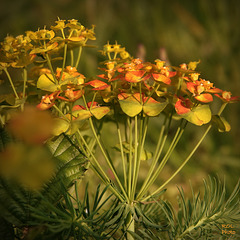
[46,82]
[131,106]
[199,115]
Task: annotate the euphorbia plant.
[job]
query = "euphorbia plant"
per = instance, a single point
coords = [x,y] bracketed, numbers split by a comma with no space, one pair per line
[128,92]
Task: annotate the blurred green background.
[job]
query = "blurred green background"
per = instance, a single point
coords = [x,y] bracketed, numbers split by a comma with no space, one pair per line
[182,31]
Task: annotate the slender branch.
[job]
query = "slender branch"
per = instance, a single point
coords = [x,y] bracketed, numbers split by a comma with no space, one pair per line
[11,82]
[64,60]
[50,64]
[142,137]
[189,156]
[122,153]
[182,165]
[130,157]
[24,81]
[172,146]
[158,150]
[135,156]
[78,57]
[51,68]
[107,159]
[72,57]
[98,169]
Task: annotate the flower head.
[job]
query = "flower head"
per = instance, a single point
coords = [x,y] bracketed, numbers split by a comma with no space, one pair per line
[227,97]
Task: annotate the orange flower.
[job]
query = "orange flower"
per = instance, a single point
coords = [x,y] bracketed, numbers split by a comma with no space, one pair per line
[71,95]
[134,76]
[183,105]
[48,101]
[201,90]
[97,84]
[227,97]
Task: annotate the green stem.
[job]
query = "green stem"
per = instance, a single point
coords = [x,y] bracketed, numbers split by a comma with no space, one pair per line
[51,68]
[182,165]
[130,157]
[61,113]
[188,158]
[222,108]
[96,166]
[72,57]
[24,85]
[98,169]
[109,56]
[64,60]
[158,150]
[172,146]
[122,154]
[107,159]
[49,63]
[151,93]
[142,137]
[24,81]
[135,156]
[78,57]
[11,82]
[131,228]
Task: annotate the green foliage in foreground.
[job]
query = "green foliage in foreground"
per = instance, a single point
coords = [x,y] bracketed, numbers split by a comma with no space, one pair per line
[57,213]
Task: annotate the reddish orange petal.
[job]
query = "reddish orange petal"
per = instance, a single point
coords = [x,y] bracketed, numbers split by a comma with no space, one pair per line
[172,74]
[97,84]
[182,106]
[122,96]
[92,104]
[134,76]
[78,107]
[161,78]
[205,97]
[191,87]
[214,90]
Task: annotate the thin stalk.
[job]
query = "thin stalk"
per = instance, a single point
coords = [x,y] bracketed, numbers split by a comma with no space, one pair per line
[130,157]
[188,158]
[72,57]
[81,145]
[173,144]
[222,108]
[11,82]
[182,165]
[122,155]
[94,96]
[24,81]
[109,56]
[78,57]
[131,228]
[155,157]
[51,68]
[135,155]
[64,60]
[24,86]
[142,137]
[107,159]
[50,64]
[61,113]
[151,93]
[96,167]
